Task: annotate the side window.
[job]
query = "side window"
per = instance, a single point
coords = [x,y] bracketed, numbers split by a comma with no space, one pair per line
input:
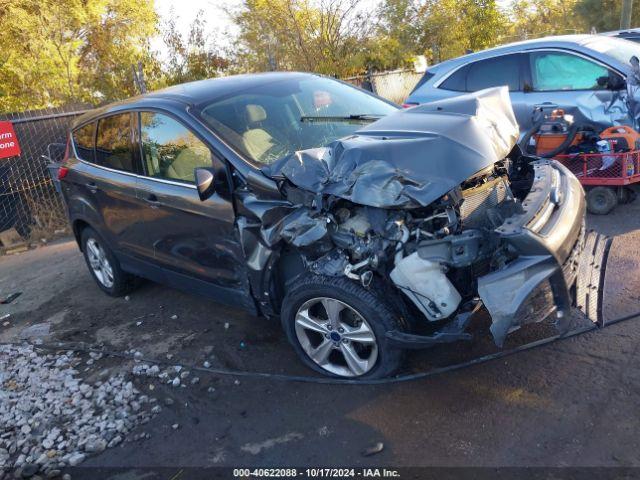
[84,139]
[494,72]
[563,71]
[113,145]
[169,149]
[457,81]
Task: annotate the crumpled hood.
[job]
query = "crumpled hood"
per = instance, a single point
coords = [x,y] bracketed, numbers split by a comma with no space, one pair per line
[412,157]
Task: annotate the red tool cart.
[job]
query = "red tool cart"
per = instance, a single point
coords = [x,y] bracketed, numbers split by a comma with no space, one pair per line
[606,177]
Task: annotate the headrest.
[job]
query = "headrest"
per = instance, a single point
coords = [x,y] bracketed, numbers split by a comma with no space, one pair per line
[255,113]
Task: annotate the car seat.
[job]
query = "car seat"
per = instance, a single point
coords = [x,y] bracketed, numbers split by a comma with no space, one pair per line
[256,140]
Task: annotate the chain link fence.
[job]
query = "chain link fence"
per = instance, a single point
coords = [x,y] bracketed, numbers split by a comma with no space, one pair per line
[29,202]
[394,85]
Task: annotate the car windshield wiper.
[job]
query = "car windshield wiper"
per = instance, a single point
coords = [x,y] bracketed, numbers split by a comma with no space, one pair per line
[358,118]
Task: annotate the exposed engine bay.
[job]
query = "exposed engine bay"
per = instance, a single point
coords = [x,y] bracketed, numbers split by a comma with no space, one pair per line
[436,206]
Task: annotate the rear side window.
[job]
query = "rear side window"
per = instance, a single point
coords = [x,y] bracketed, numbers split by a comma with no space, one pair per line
[113,145]
[170,150]
[425,78]
[84,140]
[495,72]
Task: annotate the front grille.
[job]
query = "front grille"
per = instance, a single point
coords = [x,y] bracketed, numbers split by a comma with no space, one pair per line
[480,202]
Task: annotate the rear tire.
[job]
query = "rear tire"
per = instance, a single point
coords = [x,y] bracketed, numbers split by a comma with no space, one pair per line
[103,265]
[601,200]
[362,317]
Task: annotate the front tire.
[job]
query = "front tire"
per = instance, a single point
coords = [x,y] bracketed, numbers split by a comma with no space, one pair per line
[338,327]
[104,266]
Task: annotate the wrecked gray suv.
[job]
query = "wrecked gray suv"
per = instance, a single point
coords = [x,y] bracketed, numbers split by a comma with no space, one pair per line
[366,229]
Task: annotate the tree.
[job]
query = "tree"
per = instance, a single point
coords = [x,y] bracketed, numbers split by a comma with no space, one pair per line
[193,58]
[326,36]
[538,18]
[59,51]
[442,29]
[604,15]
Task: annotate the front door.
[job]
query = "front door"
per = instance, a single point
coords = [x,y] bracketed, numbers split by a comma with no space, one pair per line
[559,79]
[195,242]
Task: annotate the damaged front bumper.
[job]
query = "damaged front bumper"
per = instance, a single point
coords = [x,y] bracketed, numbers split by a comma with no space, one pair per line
[548,235]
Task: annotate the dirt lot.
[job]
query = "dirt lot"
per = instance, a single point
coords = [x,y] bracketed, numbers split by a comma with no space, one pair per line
[571,403]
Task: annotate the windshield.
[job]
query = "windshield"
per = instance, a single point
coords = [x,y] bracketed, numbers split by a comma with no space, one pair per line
[272,121]
[618,48]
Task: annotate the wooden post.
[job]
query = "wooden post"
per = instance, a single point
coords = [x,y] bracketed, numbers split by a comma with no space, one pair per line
[625,14]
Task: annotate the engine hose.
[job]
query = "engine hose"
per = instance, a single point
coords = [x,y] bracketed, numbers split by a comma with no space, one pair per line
[75,347]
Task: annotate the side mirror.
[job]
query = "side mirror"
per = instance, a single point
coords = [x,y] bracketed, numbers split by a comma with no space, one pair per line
[613,81]
[205,182]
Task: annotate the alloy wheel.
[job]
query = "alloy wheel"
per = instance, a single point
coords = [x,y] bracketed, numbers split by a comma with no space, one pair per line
[336,337]
[99,263]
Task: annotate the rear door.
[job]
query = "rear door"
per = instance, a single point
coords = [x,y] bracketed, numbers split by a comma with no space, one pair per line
[101,189]
[194,241]
[114,184]
[503,70]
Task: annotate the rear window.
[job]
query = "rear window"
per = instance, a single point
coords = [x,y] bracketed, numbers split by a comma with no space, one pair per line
[113,145]
[84,141]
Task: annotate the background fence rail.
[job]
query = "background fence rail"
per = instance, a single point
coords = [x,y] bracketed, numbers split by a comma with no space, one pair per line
[395,85]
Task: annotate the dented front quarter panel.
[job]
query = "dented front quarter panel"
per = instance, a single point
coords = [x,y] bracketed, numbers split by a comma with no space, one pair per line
[546,233]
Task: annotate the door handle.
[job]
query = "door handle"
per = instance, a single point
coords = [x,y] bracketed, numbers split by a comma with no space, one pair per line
[93,188]
[152,199]
[546,105]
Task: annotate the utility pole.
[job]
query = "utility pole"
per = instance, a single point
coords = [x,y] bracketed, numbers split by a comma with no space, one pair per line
[625,15]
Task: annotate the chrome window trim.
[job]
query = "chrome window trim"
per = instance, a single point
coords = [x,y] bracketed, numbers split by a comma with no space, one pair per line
[135,175]
[437,83]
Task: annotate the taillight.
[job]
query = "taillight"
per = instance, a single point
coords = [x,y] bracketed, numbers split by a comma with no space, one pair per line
[62,170]
[409,105]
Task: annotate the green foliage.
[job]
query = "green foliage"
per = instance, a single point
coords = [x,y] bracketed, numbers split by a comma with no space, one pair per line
[326,36]
[68,51]
[604,15]
[191,58]
[59,51]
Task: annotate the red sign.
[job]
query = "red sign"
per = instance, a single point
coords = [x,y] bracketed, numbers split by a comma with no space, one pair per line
[9,146]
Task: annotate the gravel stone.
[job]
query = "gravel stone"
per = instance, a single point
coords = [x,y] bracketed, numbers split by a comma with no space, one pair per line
[50,418]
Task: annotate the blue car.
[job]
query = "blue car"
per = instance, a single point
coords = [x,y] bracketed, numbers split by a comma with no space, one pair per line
[583,74]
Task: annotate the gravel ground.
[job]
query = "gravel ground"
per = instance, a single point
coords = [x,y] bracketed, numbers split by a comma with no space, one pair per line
[51,418]
[568,404]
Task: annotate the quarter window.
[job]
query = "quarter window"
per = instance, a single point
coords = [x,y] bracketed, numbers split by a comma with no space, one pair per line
[562,71]
[170,150]
[495,72]
[84,140]
[113,145]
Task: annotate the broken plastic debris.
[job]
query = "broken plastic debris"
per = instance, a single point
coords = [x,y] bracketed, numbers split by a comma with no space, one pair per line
[10,298]
[373,449]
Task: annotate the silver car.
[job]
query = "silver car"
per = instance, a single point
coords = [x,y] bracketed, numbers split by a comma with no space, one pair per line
[583,74]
